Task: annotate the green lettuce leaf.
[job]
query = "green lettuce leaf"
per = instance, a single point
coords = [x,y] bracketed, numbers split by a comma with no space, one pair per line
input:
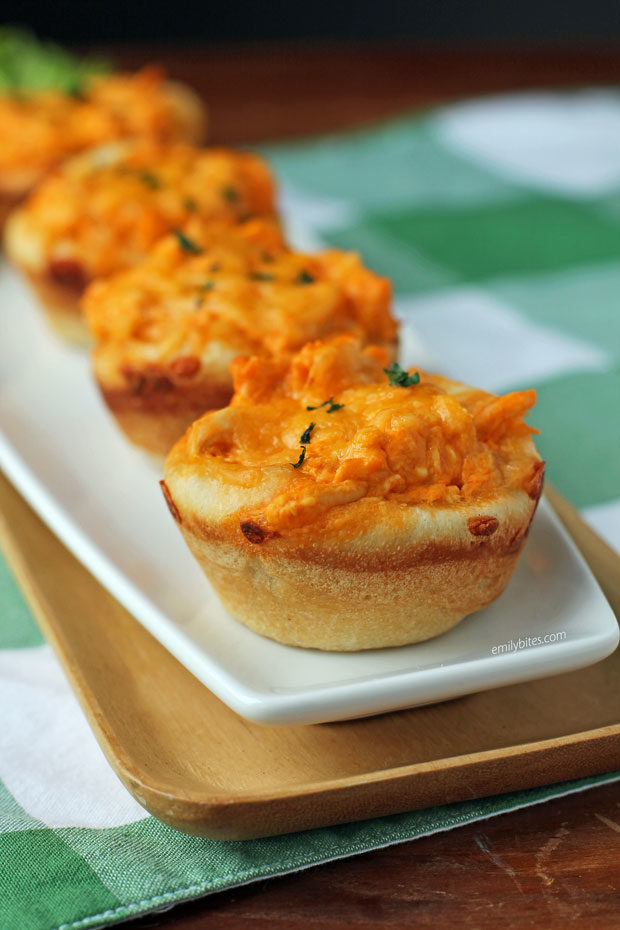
[28,64]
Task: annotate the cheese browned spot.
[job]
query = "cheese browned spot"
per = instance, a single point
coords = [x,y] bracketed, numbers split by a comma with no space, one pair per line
[185,366]
[536,480]
[68,272]
[482,526]
[253,532]
[172,507]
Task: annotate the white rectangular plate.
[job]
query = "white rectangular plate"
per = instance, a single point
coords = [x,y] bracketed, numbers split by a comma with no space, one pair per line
[61,449]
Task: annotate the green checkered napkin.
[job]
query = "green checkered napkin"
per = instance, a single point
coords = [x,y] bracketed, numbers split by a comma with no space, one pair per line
[499,222]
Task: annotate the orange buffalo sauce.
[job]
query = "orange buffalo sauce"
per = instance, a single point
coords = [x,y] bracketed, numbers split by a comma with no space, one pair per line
[436,441]
[106,208]
[240,287]
[40,128]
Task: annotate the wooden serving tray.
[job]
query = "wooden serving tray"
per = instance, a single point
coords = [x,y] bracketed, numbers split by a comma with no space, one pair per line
[193,763]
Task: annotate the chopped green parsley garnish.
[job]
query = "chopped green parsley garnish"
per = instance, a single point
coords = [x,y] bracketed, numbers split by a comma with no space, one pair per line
[75,89]
[151,180]
[190,204]
[215,267]
[27,64]
[330,409]
[203,288]
[305,436]
[400,377]
[188,245]
[230,194]
[261,276]
[304,277]
[302,456]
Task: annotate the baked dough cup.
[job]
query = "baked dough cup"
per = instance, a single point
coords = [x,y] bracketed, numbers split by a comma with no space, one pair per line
[42,128]
[102,212]
[334,510]
[166,331]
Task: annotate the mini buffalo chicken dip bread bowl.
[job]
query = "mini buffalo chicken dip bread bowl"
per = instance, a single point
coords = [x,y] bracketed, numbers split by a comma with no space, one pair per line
[166,331]
[103,210]
[40,128]
[342,503]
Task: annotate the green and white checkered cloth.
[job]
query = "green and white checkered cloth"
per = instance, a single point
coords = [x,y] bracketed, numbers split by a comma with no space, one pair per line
[499,222]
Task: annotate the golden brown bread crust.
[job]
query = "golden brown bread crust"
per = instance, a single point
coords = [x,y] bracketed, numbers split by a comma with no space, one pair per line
[61,302]
[339,586]
[58,286]
[157,407]
[8,201]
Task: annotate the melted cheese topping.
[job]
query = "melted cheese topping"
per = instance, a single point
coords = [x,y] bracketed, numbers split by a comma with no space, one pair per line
[246,290]
[435,442]
[106,208]
[40,129]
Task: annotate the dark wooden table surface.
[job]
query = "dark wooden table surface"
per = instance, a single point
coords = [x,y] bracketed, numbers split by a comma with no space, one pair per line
[551,866]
